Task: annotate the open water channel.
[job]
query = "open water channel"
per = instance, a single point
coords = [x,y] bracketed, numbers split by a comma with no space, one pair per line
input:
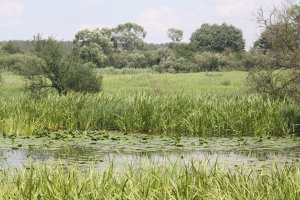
[103,148]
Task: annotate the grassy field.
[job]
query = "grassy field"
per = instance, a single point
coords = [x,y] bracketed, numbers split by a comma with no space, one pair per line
[175,181]
[224,83]
[195,83]
[198,104]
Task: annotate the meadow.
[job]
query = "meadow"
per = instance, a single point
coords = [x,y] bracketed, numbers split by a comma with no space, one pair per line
[199,104]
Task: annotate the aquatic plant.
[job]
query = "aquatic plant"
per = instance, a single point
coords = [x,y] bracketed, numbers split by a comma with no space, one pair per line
[174,181]
[147,112]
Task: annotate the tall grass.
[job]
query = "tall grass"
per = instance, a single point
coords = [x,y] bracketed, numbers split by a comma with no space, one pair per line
[175,181]
[177,114]
[112,70]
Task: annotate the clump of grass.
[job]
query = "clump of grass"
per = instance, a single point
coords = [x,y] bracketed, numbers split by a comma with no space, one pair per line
[174,181]
[226,83]
[153,113]
[292,115]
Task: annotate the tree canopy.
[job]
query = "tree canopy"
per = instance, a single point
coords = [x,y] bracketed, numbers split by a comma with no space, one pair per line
[93,46]
[176,35]
[50,68]
[279,41]
[218,38]
[129,36]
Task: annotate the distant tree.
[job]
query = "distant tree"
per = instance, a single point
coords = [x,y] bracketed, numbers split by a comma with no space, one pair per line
[11,47]
[52,69]
[129,36]
[183,50]
[280,41]
[175,35]
[217,38]
[208,61]
[93,46]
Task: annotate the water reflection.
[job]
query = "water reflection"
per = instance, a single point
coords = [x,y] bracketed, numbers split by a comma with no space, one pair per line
[82,156]
[159,151]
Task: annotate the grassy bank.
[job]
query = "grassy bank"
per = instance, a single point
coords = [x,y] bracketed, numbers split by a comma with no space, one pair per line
[192,181]
[173,114]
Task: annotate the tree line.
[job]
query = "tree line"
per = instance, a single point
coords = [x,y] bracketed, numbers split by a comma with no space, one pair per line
[124,46]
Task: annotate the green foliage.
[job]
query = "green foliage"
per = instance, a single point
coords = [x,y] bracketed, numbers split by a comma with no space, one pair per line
[128,60]
[278,42]
[136,60]
[93,46]
[83,78]
[217,38]
[292,115]
[129,36]
[174,104]
[11,61]
[168,62]
[194,180]
[210,61]
[49,68]
[11,47]
[183,50]
[175,35]
[132,81]
[153,113]
[253,60]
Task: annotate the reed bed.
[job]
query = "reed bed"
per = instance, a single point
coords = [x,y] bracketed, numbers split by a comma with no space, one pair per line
[175,181]
[173,114]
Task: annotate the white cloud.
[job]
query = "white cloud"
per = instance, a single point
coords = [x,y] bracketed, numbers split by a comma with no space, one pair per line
[158,19]
[11,8]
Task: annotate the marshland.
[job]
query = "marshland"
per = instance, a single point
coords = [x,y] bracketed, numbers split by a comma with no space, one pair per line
[110,116]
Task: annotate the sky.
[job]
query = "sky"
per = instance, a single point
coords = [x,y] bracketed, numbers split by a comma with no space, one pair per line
[62,19]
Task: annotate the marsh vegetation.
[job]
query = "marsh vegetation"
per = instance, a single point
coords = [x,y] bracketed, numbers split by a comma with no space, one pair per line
[108,116]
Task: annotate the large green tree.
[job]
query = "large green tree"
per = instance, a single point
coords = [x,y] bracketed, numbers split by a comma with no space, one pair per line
[129,36]
[217,38]
[279,42]
[93,46]
[50,68]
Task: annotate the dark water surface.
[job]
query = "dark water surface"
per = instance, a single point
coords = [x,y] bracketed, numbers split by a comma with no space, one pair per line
[102,148]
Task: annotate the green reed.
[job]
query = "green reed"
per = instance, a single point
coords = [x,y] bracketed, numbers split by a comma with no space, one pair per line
[174,181]
[153,113]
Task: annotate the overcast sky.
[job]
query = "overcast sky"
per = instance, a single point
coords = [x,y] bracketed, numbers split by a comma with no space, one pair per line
[21,19]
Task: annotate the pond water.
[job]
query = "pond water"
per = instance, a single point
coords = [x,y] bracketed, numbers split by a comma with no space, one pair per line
[102,148]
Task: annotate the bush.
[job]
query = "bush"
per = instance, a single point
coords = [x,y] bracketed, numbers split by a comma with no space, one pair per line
[82,78]
[208,61]
[11,47]
[50,69]
[253,60]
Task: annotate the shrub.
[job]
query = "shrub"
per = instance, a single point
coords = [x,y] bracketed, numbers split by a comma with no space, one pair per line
[208,61]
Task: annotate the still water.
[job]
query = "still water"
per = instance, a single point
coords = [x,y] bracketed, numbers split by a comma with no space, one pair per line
[103,148]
